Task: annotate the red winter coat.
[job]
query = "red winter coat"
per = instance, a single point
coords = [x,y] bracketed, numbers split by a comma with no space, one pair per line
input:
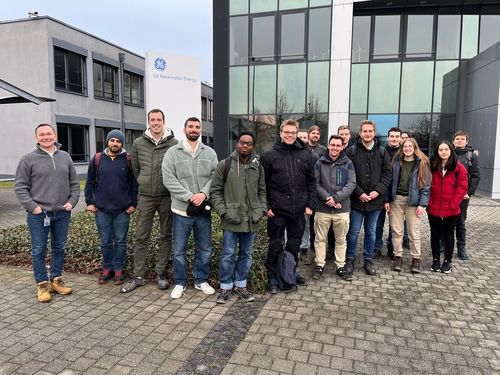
[447,192]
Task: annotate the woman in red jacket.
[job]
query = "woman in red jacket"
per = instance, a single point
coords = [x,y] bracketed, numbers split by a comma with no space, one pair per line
[448,188]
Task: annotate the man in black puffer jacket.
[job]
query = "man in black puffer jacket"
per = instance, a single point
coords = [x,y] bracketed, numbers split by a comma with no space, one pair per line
[290,186]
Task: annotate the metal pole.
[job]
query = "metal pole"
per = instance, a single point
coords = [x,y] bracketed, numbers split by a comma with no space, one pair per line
[121,57]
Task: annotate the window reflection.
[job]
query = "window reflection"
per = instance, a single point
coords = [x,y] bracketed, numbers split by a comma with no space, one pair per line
[448,37]
[442,68]
[292,36]
[238,41]
[359,88]
[257,6]
[317,3]
[264,78]
[420,127]
[470,26]
[262,125]
[291,92]
[386,40]
[319,29]
[238,89]
[383,124]
[384,88]
[490,31]
[292,4]
[419,36]
[416,86]
[361,39]
[317,87]
[238,7]
[263,38]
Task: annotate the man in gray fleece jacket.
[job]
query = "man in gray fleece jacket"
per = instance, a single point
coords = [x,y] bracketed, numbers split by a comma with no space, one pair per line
[47,187]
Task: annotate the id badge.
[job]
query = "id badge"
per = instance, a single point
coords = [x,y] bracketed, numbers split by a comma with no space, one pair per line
[46,221]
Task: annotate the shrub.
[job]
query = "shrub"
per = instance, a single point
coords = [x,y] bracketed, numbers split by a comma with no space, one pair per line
[83,254]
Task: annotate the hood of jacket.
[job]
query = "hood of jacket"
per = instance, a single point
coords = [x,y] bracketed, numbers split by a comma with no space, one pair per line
[463,151]
[283,147]
[167,134]
[359,143]
[341,159]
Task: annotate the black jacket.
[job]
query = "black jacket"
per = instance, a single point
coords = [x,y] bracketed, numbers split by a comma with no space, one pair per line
[373,173]
[290,182]
[470,161]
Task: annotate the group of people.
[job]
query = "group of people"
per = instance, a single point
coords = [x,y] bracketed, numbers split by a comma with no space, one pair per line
[313,197]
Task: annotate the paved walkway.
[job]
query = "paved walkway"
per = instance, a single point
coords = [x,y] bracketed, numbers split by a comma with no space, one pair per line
[388,324]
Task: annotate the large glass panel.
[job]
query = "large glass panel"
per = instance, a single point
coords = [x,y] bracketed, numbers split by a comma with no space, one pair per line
[318,3]
[238,40]
[238,7]
[448,37]
[361,39]
[386,42]
[420,128]
[449,93]
[263,38]
[354,121]
[442,68]
[257,6]
[320,119]
[383,123]
[292,36]
[262,125]
[359,88]
[470,29]
[75,72]
[319,34]
[264,78]
[317,86]
[292,4]
[490,31]
[238,90]
[291,92]
[384,88]
[416,86]
[60,68]
[419,35]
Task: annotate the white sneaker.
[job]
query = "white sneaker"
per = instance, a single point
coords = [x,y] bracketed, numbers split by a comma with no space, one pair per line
[205,288]
[178,291]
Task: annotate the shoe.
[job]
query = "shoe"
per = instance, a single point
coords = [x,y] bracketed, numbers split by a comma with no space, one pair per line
[132,284]
[349,265]
[406,244]
[290,289]
[377,253]
[43,292]
[415,266]
[161,281]
[435,266]
[223,295]
[462,253]
[300,280]
[446,267]
[178,291]
[205,288]
[343,274]
[119,278]
[244,294]
[317,272]
[57,286]
[369,268]
[105,276]
[273,288]
[398,264]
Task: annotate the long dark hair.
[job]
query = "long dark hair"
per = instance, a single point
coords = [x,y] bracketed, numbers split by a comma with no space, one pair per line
[451,163]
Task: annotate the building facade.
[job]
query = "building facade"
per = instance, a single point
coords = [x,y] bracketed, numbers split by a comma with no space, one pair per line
[335,62]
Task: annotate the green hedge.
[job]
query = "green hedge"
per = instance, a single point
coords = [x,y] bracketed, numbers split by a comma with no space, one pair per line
[83,255]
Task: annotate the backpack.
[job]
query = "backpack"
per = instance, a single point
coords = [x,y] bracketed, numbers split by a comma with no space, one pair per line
[285,271]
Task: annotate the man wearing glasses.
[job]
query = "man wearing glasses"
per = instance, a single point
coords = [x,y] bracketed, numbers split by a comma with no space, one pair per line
[290,185]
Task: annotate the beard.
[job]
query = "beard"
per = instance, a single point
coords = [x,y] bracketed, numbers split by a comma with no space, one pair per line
[192,137]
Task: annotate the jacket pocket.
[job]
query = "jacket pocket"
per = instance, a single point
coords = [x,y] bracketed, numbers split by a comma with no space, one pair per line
[257,212]
[233,213]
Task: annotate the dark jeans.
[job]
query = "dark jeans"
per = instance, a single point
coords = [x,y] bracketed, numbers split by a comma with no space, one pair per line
[369,221]
[276,227]
[113,230]
[229,274]
[461,231]
[146,208]
[444,228]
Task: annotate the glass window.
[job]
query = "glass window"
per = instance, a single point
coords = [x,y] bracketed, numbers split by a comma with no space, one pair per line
[238,41]
[292,36]
[130,137]
[420,128]
[361,39]
[291,92]
[419,35]
[73,139]
[490,31]
[318,75]
[320,119]
[319,34]
[384,88]
[100,138]
[238,7]
[448,36]
[105,81]
[263,126]
[416,86]
[238,90]
[133,87]
[257,6]
[354,121]
[386,40]
[210,110]
[318,3]
[204,108]
[449,92]
[292,4]
[263,38]
[264,78]
[359,88]
[442,68]
[383,124]
[470,29]
[69,71]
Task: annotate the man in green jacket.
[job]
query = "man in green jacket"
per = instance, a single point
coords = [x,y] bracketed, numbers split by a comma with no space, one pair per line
[147,156]
[238,193]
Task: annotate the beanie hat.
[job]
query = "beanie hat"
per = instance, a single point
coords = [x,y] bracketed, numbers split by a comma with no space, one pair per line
[115,133]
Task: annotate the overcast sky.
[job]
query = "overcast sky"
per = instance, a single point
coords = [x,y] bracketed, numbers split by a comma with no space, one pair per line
[181,27]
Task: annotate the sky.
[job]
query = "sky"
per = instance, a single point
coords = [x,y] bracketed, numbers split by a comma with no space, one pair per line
[180,27]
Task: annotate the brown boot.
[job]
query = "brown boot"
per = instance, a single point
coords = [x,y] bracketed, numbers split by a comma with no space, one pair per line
[43,293]
[57,286]
[398,264]
[415,266]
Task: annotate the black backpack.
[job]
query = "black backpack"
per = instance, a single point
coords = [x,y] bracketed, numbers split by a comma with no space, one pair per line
[285,271]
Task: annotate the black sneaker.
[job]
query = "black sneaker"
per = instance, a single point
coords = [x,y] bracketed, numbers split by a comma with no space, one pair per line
[398,264]
[349,265]
[132,284]
[161,281]
[446,267]
[300,280]
[343,274]
[244,294]
[377,253]
[435,266]
[317,272]
[462,254]
[415,266]
[369,268]
[224,295]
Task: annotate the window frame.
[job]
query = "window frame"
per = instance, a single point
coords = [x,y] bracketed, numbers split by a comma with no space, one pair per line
[67,83]
[101,94]
[69,150]
[140,102]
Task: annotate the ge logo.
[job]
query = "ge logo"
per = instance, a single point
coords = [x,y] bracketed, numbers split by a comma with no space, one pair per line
[160,64]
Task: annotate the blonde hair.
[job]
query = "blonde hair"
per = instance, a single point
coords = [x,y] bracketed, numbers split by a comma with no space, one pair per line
[424,166]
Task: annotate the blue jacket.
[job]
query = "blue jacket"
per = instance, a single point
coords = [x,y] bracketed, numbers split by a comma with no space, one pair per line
[416,196]
[115,189]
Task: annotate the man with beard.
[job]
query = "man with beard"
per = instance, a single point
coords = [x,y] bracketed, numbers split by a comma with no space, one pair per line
[314,136]
[187,172]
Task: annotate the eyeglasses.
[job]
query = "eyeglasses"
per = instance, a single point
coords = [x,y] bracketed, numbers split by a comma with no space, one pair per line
[289,132]
[243,143]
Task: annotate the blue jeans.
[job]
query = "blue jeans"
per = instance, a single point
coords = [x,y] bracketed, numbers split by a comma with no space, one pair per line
[202,228]
[113,230]
[227,271]
[59,224]
[379,236]
[370,225]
